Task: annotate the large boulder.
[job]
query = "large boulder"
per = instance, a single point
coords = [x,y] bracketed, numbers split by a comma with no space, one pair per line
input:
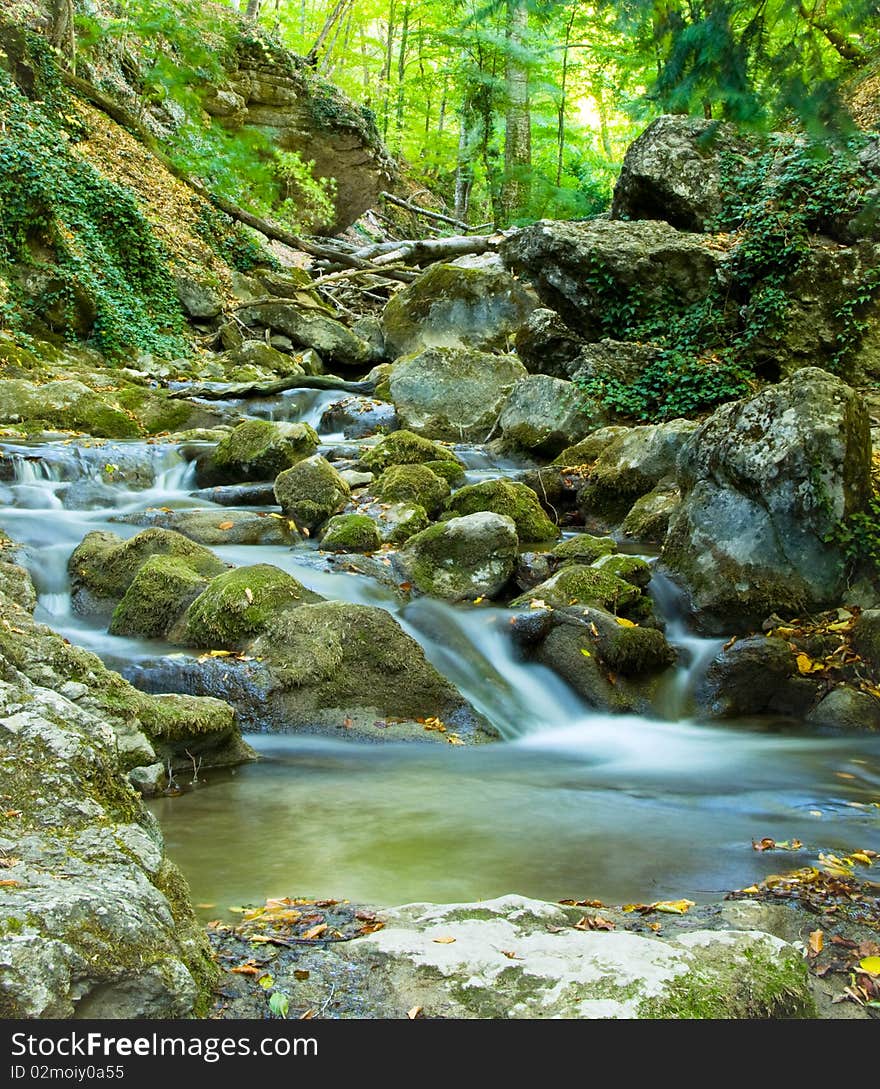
[453,307]
[546,345]
[159,593]
[453,393]
[334,663]
[351,533]
[754,676]
[580,584]
[256,450]
[546,415]
[210,526]
[510,498]
[104,565]
[648,518]
[765,482]
[619,361]
[404,448]
[64,406]
[461,559]
[413,484]
[673,172]
[603,275]
[333,341]
[239,604]
[311,492]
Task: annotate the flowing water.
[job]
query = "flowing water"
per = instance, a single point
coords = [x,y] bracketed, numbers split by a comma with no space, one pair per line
[572,802]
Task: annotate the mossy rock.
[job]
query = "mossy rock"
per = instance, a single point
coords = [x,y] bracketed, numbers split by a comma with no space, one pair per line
[648,518]
[587,450]
[400,521]
[160,591]
[452,471]
[64,405]
[510,498]
[405,448]
[583,548]
[258,450]
[413,484]
[104,565]
[629,568]
[311,492]
[581,585]
[351,533]
[238,604]
[635,650]
[157,413]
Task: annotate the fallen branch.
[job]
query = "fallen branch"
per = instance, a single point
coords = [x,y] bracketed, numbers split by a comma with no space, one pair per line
[427,213]
[244,390]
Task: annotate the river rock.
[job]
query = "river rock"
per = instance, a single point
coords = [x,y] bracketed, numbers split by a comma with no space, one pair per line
[546,345]
[612,361]
[673,171]
[94,921]
[218,527]
[64,405]
[546,415]
[589,271]
[454,307]
[649,517]
[848,710]
[162,589]
[461,559]
[238,605]
[351,533]
[453,393]
[357,417]
[765,481]
[582,548]
[866,637]
[256,450]
[199,298]
[334,342]
[578,584]
[755,676]
[405,448]
[589,449]
[311,492]
[239,495]
[333,661]
[397,522]
[508,498]
[103,565]
[413,484]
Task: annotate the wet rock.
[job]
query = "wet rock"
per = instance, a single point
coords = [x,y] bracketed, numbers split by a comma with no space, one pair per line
[546,345]
[162,589]
[589,449]
[547,415]
[450,306]
[629,568]
[397,522]
[649,517]
[582,548]
[334,342]
[199,298]
[582,585]
[848,710]
[357,417]
[673,172]
[866,637]
[531,568]
[355,479]
[311,492]
[239,604]
[452,393]
[584,270]
[351,533]
[405,448]
[103,565]
[754,676]
[263,356]
[239,495]
[765,480]
[218,527]
[328,660]
[452,472]
[17,585]
[461,559]
[105,927]
[413,484]
[508,498]
[64,405]
[256,450]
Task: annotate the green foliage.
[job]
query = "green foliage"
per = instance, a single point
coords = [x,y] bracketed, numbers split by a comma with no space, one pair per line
[230,241]
[859,536]
[710,353]
[76,254]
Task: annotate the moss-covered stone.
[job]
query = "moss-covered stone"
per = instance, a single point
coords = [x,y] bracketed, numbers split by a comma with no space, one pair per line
[413,484]
[64,405]
[583,548]
[160,591]
[104,565]
[648,518]
[587,450]
[462,558]
[635,650]
[238,604]
[510,498]
[581,585]
[351,533]
[405,448]
[400,521]
[451,471]
[258,450]
[629,568]
[311,492]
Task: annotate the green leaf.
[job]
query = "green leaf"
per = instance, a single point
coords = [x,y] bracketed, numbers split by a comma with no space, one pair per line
[279,1003]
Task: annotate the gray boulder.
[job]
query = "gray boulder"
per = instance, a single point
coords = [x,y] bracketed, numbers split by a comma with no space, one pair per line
[218,527]
[546,345]
[649,517]
[256,450]
[454,307]
[199,298]
[546,415]
[673,172]
[461,559]
[453,393]
[848,710]
[311,492]
[754,676]
[333,341]
[765,481]
[602,274]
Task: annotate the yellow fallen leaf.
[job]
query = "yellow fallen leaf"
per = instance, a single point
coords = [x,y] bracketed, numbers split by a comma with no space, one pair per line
[220,653]
[226,525]
[673,907]
[443,941]
[415,1012]
[817,940]
[537,603]
[624,623]
[315,932]
[859,856]
[454,739]
[586,653]
[509,953]
[871,965]
[806,664]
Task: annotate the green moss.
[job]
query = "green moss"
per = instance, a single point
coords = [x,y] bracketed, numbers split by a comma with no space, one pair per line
[311,491]
[451,471]
[11,925]
[629,568]
[413,484]
[155,412]
[238,604]
[580,585]
[260,450]
[174,717]
[404,448]
[583,548]
[404,520]
[635,650]
[351,533]
[160,591]
[510,498]
[198,957]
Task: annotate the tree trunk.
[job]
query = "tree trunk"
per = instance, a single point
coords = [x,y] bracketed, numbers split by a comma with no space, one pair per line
[464,171]
[252,11]
[563,91]
[386,69]
[844,47]
[518,129]
[401,74]
[63,29]
[329,23]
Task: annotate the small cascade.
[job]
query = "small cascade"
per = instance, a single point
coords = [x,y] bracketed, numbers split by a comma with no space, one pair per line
[297,406]
[695,651]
